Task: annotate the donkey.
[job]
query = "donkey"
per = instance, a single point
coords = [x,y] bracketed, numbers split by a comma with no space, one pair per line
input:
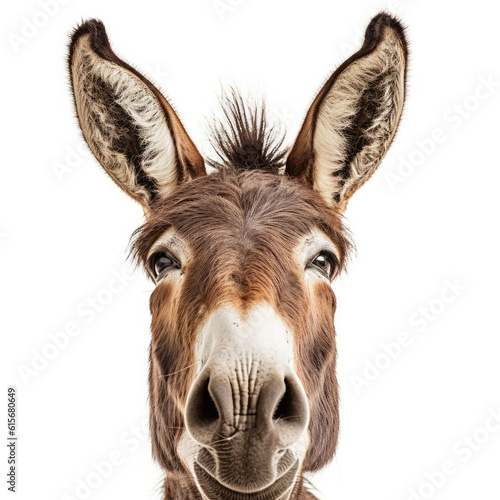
[243,389]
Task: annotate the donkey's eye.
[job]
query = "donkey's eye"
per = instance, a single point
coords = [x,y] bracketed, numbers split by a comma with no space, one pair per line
[160,263]
[326,263]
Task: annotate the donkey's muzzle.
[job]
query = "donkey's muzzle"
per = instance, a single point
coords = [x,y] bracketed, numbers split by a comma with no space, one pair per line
[247,408]
[246,434]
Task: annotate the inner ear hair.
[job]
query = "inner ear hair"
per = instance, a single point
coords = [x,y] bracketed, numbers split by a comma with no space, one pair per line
[354,118]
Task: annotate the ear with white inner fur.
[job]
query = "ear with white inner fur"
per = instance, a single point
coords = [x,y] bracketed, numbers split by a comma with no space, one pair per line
[354,118]
[127,123]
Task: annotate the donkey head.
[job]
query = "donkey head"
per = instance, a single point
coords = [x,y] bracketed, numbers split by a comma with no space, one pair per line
[243,389]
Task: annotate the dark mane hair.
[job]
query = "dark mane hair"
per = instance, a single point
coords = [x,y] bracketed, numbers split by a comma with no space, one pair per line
[243,139]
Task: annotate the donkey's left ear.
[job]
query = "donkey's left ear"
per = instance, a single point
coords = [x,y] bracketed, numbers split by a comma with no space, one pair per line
[127,123]
[352,121]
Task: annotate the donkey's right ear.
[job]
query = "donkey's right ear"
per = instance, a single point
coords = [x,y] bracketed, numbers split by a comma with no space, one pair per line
[127,123]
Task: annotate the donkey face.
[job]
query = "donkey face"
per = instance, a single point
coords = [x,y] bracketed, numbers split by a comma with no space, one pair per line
[243,389]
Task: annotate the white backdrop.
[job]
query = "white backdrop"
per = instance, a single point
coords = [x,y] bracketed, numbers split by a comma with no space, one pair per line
[417,319]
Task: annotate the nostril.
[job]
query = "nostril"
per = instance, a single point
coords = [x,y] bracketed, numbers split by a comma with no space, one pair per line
[284,410]
[201,414]
[287,408]
[208,405]
[207,409]
[291,413]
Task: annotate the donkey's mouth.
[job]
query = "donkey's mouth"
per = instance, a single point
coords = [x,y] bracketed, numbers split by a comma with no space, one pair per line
[212,489]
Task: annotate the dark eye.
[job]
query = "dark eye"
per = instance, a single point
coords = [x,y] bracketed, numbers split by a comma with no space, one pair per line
[160,263]
[326,263]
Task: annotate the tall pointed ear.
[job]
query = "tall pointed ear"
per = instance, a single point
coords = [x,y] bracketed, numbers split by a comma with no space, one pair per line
[353,119]
[127,123]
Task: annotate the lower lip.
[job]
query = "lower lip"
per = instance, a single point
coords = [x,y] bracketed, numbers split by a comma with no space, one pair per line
[212,489]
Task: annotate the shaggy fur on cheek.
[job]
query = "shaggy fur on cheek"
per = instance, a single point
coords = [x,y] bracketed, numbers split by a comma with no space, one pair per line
[172,370]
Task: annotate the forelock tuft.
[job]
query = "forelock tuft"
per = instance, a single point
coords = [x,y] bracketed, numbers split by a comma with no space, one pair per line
[243,139]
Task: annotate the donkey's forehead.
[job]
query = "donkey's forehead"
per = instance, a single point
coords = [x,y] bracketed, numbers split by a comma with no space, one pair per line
[304,248]
[250,208]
